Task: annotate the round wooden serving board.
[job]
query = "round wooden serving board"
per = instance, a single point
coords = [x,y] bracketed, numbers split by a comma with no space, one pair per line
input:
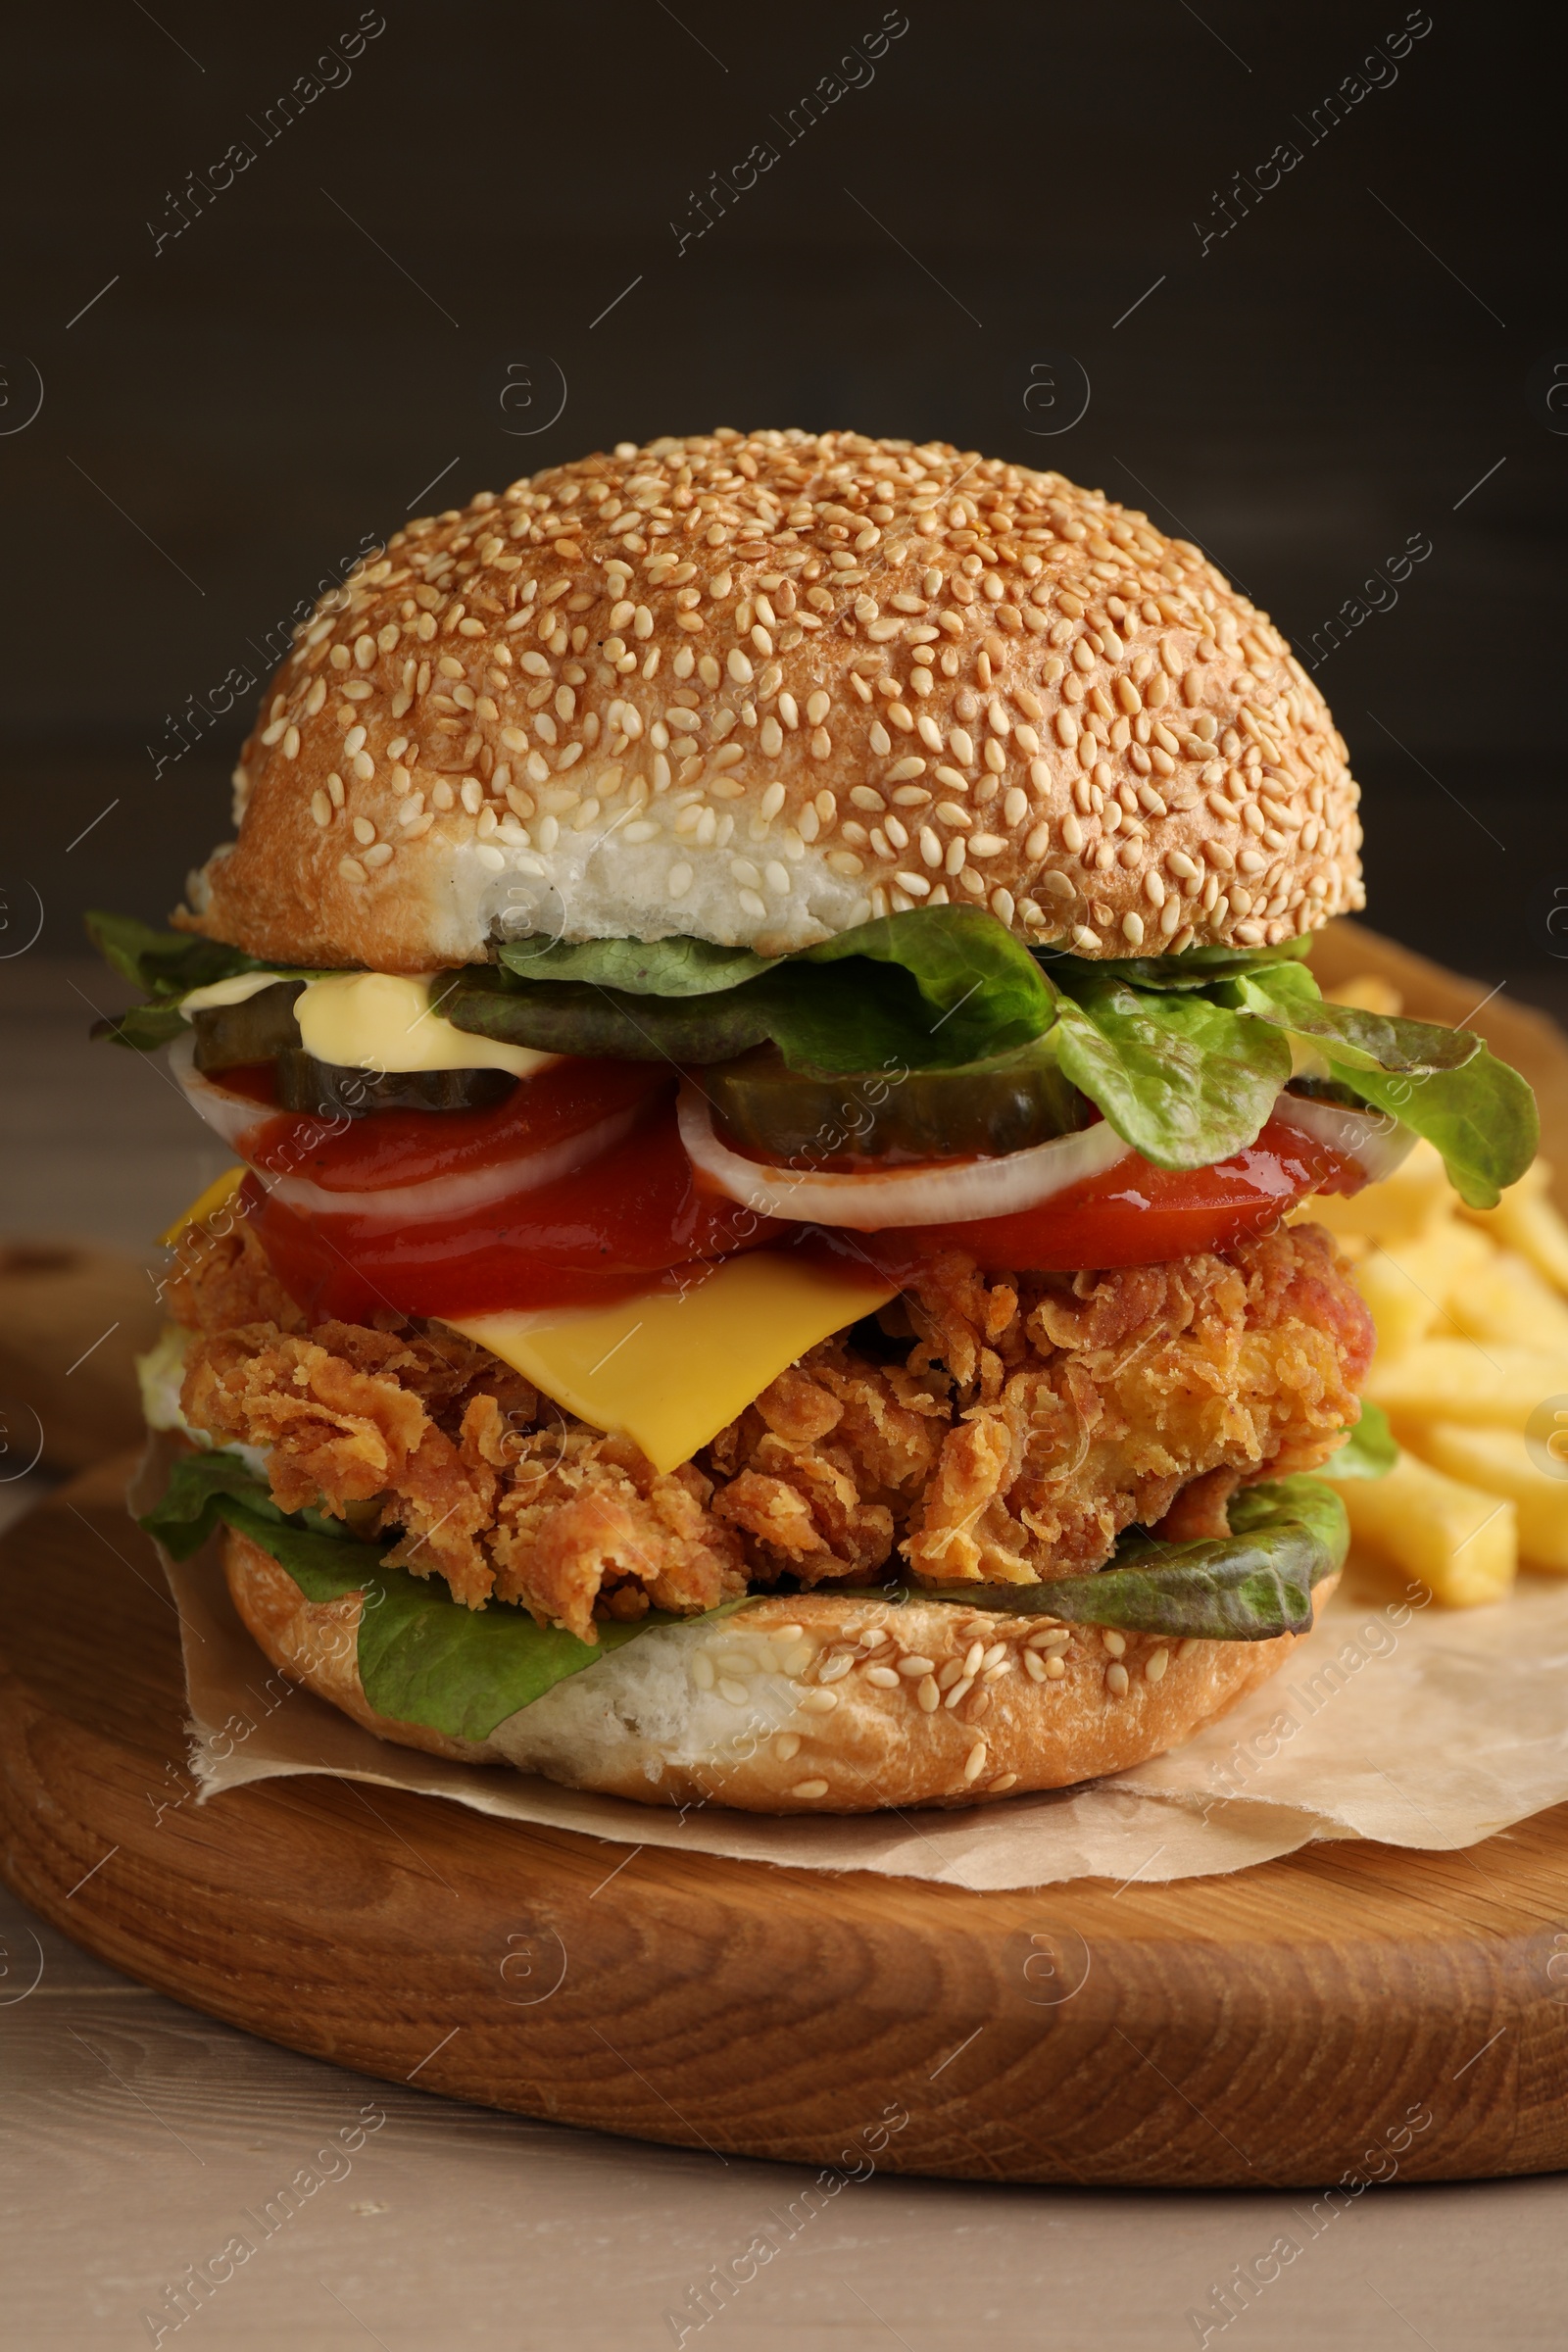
[1273,2028]
[1352,2009]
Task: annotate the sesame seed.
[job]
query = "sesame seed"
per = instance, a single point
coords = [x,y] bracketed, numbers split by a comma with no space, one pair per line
[786,1745]
[883,1677]
[915,1665]
[974,1762]
[1155,1665]
[810,1789]
[1116,1679]
[818,1703]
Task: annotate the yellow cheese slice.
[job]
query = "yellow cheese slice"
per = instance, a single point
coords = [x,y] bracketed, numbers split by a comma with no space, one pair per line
[376,1021]
[672,1371]
[205,1204]
[220,993]
[384,1022]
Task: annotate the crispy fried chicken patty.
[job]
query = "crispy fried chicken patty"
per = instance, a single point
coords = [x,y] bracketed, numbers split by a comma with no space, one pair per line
[1003,1430]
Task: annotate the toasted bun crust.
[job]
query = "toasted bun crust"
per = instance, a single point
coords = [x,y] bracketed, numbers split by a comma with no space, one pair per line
[758,688]
[788,1706]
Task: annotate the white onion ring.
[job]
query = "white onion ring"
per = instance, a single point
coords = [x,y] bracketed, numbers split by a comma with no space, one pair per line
[233,1116]
[236,1117]
[906,1195]
[1374,1138]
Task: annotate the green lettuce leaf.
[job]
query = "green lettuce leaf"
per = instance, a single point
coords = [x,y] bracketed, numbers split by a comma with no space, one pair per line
[662,968]
[1185,1081]
[1481,1118]
[1194,967]
[423,1657]
[1373,1041]
[968,969]
[166,965]
[141,1027]
[1287,1535]
[206,1490]
[933,988]
[1369,1450]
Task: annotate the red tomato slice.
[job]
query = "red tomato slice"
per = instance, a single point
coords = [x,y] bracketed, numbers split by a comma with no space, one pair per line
[1136,1214]
[594,1235]
[393,1148]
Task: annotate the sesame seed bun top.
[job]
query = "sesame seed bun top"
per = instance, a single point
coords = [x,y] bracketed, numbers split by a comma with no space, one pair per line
[757,688]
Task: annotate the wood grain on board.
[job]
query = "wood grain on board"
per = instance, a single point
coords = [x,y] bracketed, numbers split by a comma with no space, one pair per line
[1352,2009]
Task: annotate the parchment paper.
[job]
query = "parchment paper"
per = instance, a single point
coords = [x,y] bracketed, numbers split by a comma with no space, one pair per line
[1396,1719]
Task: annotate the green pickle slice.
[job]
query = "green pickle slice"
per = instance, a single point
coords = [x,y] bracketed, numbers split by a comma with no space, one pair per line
[229,1036]
[1002,1105]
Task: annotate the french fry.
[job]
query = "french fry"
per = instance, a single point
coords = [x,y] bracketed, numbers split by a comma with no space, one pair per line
[1501,1296]
[1409,1285]
[1499,1460]
[1371,991]
[1405,1204]
[1489,1381]
[1527,1220]
[1459,1540]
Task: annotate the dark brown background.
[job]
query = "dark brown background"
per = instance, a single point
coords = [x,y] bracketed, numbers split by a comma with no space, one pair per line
[278,383]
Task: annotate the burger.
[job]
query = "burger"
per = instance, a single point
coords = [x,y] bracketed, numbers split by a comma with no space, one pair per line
[760,1003]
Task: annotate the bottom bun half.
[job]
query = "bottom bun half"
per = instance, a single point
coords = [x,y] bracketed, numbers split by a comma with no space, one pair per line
[809,1702]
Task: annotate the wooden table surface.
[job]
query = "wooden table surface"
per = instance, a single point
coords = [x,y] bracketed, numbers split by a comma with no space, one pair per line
[139,2137]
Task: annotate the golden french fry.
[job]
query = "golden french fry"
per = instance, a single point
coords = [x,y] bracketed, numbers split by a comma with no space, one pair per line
[1467,1380]
[1527,1219]
[1409,1285]
[1459,1540]
[1499,1460]
[1501,1296]
[1370,992]
[1405,1204]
